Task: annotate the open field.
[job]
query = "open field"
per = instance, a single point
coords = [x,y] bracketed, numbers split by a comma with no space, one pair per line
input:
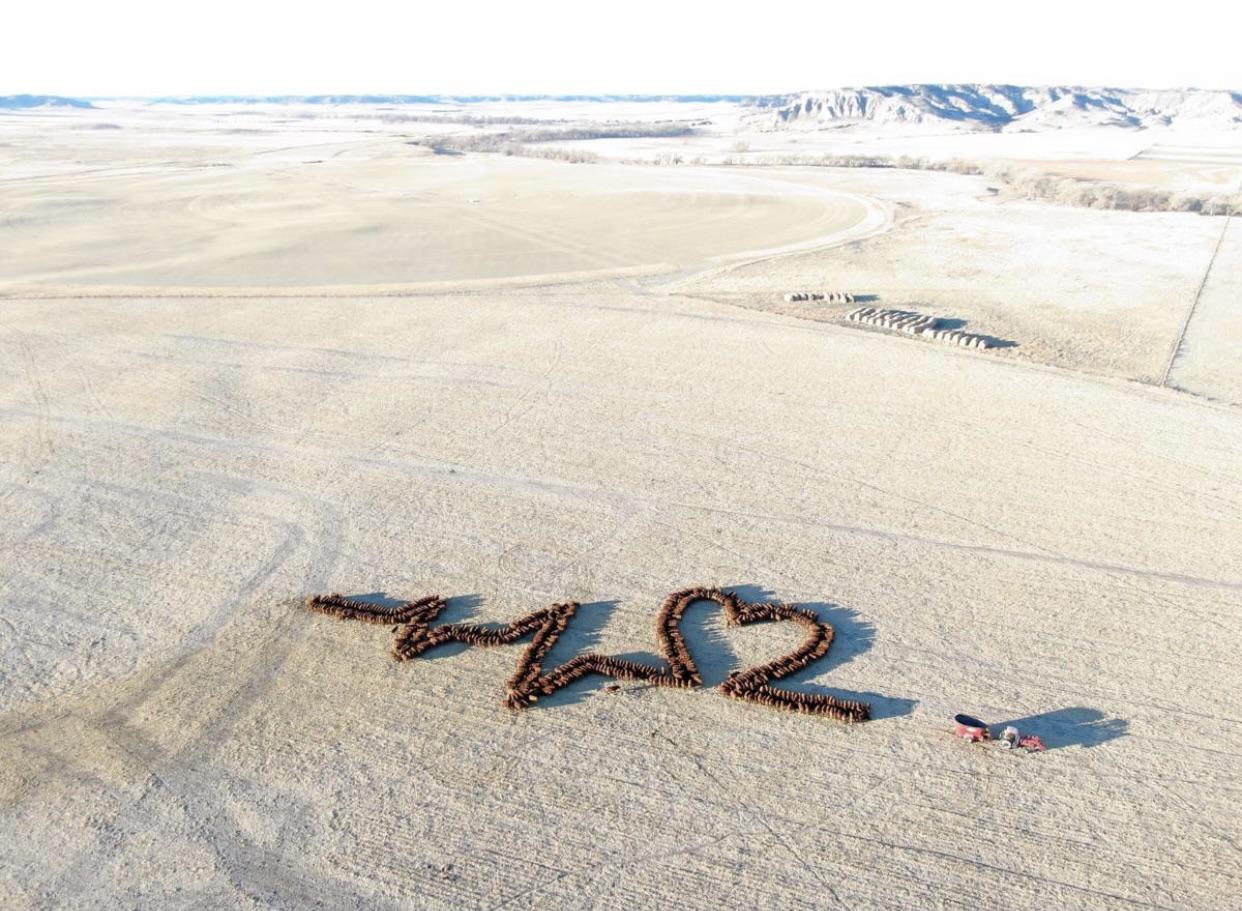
[381,212]
[389,214]
[1102,292]
[237,369]
[1209,359]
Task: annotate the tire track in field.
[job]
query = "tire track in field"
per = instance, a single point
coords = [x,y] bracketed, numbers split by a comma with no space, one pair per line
[175,785]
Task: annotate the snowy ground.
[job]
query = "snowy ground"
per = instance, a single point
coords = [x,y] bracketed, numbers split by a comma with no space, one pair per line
[1041,534]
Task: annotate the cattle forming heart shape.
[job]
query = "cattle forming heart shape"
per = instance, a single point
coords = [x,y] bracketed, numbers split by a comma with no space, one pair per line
[414,634]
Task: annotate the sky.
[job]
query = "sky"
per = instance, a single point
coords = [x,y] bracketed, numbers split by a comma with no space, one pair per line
[146,48]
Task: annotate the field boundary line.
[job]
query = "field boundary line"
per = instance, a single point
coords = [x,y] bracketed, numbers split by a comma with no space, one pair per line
[1194,304]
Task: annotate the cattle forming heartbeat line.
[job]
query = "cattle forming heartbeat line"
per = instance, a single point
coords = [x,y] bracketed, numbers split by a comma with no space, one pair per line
[414,634]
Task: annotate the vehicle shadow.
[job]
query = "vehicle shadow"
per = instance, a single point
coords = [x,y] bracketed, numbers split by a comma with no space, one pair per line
[1076,726]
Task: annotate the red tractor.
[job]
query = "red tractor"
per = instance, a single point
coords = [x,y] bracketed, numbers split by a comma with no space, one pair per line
[974,730]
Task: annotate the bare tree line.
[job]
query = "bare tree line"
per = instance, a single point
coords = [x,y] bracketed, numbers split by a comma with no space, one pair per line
[493,142]
[517,142]
[447,146]
[475,120]
[1091,194]
[1027,183]
[1022,182]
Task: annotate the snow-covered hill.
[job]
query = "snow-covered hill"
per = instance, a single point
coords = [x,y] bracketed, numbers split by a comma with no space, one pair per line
[1001,107]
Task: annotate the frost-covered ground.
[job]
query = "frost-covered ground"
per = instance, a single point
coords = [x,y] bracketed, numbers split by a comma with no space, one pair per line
[242,367]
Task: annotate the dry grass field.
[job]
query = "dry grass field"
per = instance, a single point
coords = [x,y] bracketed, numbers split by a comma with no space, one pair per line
[243,366]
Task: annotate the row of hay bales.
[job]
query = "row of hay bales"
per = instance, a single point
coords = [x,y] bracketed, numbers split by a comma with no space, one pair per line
[955,337]
[912,323]
[906,320]
[833,297]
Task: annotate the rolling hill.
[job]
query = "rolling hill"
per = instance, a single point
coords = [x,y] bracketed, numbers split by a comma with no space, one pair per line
[1000,107]
[22,102]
